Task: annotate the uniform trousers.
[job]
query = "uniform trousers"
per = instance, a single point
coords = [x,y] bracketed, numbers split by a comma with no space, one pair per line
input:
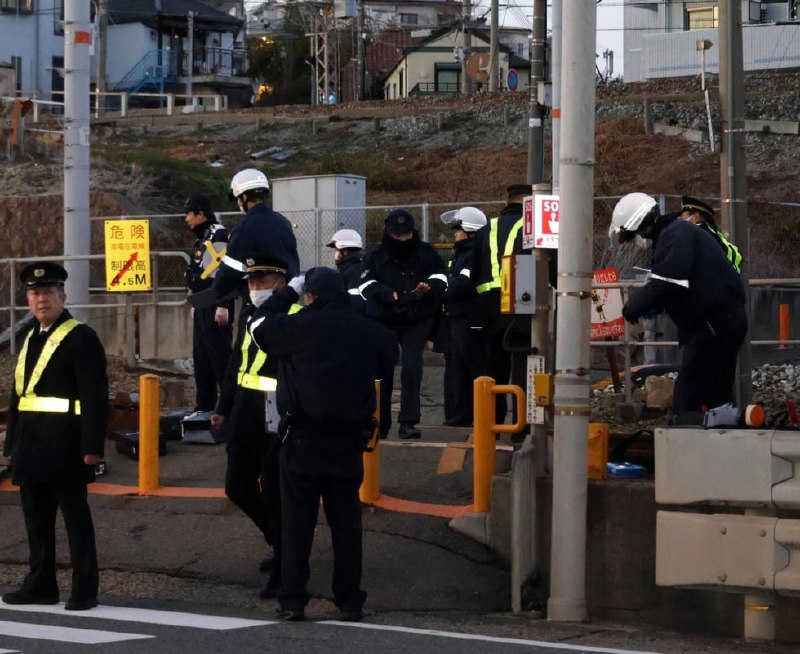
[313,467]
[467,359]
[708,362]
[412,338]
[211,349]
[40,502]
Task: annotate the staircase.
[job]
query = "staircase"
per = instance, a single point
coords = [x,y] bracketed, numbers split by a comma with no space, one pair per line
[152,72]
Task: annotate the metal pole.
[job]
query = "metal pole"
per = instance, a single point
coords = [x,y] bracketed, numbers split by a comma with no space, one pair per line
[535,110]
[540,338]
[77,228]
[361,51]
[555,81]
[733,171]
[466,17]
[100,53]
[190,57]
[571,402]
[494,46]
[149,386]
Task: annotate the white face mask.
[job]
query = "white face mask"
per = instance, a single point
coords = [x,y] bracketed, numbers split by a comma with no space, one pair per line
[643,243]
[259,296]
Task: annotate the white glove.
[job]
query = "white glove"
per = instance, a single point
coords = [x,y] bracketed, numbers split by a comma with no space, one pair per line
[464,272]
[298,283]
[221,316]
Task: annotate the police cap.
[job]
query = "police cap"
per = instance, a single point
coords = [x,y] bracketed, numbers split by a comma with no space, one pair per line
[260,264]
[323,281]
[519,189]
[399,222]
[694,205]
[198,203]
[43,273]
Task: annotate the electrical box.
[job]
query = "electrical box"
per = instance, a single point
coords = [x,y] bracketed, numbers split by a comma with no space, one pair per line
[518,284]
[543,388]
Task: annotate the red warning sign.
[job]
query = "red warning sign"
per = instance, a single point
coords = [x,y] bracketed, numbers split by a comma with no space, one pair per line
[545,221]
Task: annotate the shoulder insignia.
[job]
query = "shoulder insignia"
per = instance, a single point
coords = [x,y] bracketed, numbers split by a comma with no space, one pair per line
[364,274]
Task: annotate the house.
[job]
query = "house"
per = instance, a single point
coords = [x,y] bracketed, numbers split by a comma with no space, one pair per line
[432,66]
[148,47]
[660,37]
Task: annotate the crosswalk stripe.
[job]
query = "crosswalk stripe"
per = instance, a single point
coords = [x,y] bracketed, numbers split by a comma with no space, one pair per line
[147,616]
[65,634]
[9,651]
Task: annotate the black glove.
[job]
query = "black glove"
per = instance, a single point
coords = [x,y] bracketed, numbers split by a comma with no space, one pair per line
[626,313]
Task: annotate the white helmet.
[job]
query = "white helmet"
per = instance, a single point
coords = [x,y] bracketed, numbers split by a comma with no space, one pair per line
[346,238]
[468,219]
[248,179]
[629,214]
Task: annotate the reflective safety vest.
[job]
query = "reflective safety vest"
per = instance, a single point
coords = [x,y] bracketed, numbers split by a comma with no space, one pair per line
[494,249]
[248,376]
[731,251]
[28,400]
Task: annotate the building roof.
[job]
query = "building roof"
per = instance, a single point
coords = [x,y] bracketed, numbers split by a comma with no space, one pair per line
[155,13]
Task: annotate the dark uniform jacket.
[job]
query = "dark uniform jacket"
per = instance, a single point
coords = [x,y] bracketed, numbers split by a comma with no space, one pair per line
[243,408]
[329,358]
[461,298]
[692,281]
[398,266]
[261,231]
[350,268]
[485,264]
[206,233]
[49,447]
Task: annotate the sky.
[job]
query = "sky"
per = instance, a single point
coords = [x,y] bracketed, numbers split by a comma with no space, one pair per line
[609,24]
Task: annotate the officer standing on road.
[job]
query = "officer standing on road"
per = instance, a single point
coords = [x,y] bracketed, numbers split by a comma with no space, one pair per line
[56,432]
[702,215]
[694,283]
[501,237]
[349,260]
[251,477]
[261,231]
[467,356]
[329,357]
[402,281]
[212,330]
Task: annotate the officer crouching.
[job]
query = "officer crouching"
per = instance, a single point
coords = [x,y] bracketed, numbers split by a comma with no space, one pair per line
[329,358]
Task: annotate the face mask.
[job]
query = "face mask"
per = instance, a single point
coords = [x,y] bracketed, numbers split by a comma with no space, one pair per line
[643,243]
[259,296]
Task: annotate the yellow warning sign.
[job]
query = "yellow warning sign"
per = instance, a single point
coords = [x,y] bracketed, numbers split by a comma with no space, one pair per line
[128,255]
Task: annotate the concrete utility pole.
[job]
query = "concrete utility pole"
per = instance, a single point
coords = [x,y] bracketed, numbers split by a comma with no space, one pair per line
[555,80]
[100,53]
[361,50]
[733,165]
[571,402]
[466,18]
[494,47]
[190,57]
[77,228]
[535,110]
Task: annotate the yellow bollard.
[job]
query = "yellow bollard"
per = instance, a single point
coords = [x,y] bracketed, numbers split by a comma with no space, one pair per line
[484,431]
[370,490]
[148,433]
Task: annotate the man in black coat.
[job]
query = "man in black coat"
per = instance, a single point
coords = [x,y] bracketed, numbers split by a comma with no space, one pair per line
[329,358]
[348,256]
[698,288]
[212,329]
[56,432]
[403,280]
[250,384]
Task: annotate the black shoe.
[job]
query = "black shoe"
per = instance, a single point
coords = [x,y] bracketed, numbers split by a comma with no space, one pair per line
[351,616]
[408,430]
[266,562]
[79,605]
[290,615]
[27,597]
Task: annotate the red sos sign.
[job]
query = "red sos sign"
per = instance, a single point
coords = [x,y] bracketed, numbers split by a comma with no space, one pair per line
[546,215]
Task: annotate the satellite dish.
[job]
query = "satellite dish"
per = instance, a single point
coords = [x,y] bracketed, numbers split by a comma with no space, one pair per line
[478,67]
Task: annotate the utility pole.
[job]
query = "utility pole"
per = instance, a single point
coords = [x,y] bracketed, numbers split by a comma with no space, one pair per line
[555,87]
[494,47]
[535,110]
[190,57]
[571,400]
[466,17]
[100,53]
[77,228]
[733,165]
[361,51]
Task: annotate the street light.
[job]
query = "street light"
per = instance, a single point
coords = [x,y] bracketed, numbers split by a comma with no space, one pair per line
[702,45]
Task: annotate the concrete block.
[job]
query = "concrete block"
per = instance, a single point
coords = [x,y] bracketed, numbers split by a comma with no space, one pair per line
[500,522]
[693,135]
[658,392]
[475,525]
[771,126]
[173,393]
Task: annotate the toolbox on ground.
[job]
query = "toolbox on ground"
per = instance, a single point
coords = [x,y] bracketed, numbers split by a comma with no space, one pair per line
[170,425]
[127,443]
[197,428]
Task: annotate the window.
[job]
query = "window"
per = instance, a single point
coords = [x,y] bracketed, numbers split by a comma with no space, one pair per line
[703,18]
[16,6]
[58,17]
[409,19]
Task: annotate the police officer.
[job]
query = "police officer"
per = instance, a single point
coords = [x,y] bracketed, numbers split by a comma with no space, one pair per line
[501,237]
[694,283]
[348,257]
[402,281]
[212,329]
[702,215]
[56,431]
[329,357]
[466,355]
[251,477]
[261,231]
